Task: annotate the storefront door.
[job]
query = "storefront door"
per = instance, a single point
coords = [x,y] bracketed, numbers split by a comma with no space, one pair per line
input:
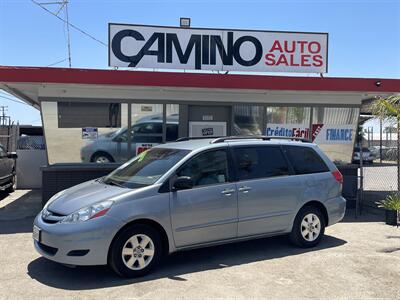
[209,120]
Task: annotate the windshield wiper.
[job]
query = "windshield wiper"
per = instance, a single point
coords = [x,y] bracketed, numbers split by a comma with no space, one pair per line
[110,182]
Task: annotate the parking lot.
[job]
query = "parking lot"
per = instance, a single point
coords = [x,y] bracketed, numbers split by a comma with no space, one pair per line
[359,258]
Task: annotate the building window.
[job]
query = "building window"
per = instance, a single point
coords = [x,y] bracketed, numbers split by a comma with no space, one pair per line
[89,114]
[248,120]
[335,130]
[288,122]
[93,132]
[83,131]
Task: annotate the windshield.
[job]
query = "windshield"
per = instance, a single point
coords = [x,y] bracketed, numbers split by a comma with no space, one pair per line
[146,168]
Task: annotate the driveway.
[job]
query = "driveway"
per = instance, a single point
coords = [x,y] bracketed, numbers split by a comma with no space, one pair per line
[359,258]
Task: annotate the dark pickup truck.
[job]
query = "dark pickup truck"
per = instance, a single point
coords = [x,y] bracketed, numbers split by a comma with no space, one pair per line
[7,170]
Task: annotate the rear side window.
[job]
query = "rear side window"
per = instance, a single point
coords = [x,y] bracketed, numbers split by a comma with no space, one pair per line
[305,160]
[260,162]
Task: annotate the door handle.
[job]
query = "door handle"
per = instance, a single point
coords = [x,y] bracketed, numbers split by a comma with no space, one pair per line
[228,192]
[244,189]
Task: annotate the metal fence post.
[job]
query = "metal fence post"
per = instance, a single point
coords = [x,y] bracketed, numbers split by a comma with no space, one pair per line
[380,140]
[398,156]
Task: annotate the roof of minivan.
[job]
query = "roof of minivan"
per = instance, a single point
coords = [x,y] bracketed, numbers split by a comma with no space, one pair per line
[205,143]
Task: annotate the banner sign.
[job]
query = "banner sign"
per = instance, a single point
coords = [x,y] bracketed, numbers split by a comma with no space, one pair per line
[143,147]
[89,133]
[321,133]
[197,129]
[140,46]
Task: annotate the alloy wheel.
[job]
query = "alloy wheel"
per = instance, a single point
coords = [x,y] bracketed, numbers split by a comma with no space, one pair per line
[310,227]
[138,252]
[102,160]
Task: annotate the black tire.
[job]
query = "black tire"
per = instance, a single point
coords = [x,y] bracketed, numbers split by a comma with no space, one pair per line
[12,188]
[95,157]
[116,260]
[296,235]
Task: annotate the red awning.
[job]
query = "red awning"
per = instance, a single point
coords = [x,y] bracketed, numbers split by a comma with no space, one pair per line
[194,80]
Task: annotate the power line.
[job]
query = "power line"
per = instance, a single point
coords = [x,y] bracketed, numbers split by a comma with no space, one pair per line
[57,62]
[20,102]
[61,7]
[66,22]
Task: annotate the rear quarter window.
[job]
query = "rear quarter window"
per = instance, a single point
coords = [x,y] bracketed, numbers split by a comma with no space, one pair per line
[305,160]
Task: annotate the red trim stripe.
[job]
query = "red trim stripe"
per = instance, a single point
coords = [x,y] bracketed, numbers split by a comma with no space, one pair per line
[193,80]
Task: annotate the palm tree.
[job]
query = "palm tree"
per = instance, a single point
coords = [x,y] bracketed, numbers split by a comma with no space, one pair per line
[388,109]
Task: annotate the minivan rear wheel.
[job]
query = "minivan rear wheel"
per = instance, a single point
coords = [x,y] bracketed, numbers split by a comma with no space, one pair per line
[308,227]
[102,158]
[135,251]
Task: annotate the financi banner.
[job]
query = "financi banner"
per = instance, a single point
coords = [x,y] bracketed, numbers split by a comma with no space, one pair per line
[321,133]
[140,46]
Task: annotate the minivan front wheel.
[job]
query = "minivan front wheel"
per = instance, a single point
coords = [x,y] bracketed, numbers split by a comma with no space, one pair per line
[135,251]
[308,228]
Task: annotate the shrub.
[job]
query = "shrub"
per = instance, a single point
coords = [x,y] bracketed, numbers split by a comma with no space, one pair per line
[391,202]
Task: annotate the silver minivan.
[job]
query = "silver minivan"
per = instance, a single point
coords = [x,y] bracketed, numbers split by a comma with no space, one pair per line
[192,193]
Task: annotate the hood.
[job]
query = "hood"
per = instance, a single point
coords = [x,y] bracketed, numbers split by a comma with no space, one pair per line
[82,195]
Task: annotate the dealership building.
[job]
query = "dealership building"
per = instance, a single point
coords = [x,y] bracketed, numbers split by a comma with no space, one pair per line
[109,116]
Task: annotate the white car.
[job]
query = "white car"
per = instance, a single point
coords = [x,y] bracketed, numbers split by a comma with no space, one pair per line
[367,156]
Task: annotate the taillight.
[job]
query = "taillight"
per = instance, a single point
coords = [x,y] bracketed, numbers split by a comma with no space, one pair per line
[338,176]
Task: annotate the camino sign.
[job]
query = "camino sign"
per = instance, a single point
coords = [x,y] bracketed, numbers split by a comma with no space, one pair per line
[139,46]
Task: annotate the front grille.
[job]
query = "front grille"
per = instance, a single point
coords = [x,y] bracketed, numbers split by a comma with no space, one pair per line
[47,249]
[51,217]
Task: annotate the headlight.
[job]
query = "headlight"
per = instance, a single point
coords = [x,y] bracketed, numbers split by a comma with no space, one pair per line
[89,212]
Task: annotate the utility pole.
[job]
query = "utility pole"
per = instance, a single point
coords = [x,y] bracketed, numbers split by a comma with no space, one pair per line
[68,35]
[3,116]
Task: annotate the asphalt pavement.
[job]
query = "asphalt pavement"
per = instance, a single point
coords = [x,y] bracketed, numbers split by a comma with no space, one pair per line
[358,258]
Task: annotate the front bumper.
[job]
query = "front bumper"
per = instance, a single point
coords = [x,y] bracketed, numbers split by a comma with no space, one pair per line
[85,243]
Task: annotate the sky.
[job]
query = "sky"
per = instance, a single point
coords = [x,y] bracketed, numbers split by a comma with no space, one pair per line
[364,36]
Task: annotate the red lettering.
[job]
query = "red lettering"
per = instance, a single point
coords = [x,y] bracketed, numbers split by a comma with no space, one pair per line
[305,60]
[270,59]
[282,60]
[292,63]
[317,61]
[302,44]
[276,46]
[316,50]
[286,46]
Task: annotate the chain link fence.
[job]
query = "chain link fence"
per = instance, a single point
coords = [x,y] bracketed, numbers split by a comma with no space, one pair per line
[35,142]
[9,136]
[379,167]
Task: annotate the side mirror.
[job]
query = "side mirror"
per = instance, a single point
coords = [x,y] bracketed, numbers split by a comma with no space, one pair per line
[183,183]
[12,155]
[117,139]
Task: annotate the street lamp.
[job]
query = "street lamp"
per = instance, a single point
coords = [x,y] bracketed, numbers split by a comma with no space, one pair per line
[185,22]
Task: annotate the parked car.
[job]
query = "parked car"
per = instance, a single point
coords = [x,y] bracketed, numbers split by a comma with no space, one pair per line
[188,194]
[7,170]
[113,147]
[367,155]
